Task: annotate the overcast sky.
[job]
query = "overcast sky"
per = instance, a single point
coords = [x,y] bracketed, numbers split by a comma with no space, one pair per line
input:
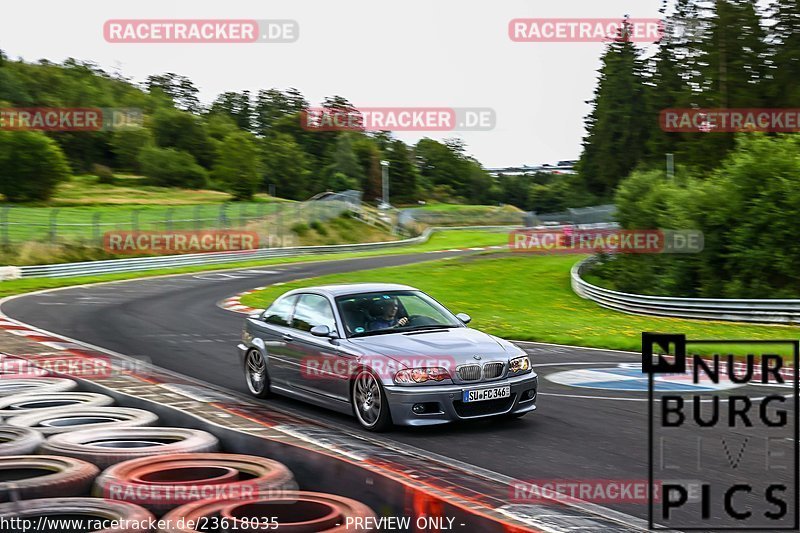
[416,53]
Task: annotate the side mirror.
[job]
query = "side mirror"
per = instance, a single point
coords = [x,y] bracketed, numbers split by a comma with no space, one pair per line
[323,331]
[464,317]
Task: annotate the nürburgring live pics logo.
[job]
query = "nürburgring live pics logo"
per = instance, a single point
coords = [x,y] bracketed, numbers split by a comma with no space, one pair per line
[728,458]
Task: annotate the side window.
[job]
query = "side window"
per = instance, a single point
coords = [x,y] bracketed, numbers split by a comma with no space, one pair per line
[313,310]
[280,312]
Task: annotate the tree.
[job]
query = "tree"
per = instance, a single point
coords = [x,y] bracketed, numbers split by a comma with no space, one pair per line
[127,143]
[668,75]
[185,132]
[616,127]
[403,175]
[168,167]
[238,165]
[784,42]
[179,89]
[272,104]
[439,165]
[344,162]
[447,167]
[369,155]
[236,106]
[285,166]
[31,166]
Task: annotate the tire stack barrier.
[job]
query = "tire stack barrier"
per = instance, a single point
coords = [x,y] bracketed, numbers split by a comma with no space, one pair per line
[10,386]
[32,402]
[165,482]
[107,447]
[96,462]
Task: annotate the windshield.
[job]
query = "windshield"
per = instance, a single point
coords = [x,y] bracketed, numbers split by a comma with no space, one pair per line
[376,313]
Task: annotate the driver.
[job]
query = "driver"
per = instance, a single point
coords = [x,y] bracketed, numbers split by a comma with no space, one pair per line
[385,312]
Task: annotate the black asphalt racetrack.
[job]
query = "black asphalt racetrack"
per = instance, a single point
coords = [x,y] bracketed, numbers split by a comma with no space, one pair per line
[577,433]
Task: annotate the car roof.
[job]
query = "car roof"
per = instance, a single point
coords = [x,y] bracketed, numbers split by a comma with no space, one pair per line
[355,288]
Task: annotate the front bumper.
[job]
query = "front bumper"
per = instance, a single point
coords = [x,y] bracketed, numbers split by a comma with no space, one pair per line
[450,408]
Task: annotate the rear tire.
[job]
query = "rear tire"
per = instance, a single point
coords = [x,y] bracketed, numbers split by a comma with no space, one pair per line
[369,402]
[255,374]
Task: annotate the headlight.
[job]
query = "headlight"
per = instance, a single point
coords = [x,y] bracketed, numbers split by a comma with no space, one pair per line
[421,375]
[519,364]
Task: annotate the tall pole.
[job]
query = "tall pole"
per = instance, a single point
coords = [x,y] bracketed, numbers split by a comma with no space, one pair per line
[385,168]
[670,166]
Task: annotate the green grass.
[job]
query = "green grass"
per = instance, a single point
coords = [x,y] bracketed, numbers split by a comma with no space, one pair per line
[458,214]
[82,210]
[83,190]
[466,208]
[438,241]
[528,297]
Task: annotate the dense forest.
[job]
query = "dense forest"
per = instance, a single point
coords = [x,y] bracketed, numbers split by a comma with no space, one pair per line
[740,189]
[242,143]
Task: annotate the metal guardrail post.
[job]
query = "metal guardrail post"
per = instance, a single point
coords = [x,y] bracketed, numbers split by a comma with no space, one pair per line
[98,238]
[4,222]
[279,223]
[197,215]
[168,218]
[54,225]
[223,218]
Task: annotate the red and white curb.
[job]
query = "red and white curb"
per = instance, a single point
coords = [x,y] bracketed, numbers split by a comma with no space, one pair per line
[61,350]
[234,303]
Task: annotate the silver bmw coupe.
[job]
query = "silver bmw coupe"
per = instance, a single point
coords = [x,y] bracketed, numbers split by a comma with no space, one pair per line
[387,353]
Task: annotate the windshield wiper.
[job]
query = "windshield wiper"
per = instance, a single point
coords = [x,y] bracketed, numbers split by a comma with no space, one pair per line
[370,333]
[409,329]
[427,328]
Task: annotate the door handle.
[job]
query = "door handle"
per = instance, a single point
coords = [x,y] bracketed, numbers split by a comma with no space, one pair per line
[287,337]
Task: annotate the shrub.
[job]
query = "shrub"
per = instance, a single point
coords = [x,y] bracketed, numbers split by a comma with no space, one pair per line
[168,167]
[103,173]
[300,228]
[31,166]
[319,228]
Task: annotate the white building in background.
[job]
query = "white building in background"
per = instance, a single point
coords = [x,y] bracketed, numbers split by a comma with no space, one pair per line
[562,167]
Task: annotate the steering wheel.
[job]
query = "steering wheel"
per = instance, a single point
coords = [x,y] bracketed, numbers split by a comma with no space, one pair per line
[421,320]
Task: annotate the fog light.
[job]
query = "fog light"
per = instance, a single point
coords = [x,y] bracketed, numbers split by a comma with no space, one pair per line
[529,394]
[418,408]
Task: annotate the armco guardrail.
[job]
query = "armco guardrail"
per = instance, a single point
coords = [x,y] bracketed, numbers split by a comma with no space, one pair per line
[760,310]
[114,266]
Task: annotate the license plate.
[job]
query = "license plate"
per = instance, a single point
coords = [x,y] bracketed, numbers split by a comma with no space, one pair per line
[480,395]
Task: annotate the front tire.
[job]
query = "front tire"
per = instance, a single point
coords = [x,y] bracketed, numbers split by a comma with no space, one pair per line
[369,402]
[255,373]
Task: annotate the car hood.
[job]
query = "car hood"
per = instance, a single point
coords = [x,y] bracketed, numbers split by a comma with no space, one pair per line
[460,344]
